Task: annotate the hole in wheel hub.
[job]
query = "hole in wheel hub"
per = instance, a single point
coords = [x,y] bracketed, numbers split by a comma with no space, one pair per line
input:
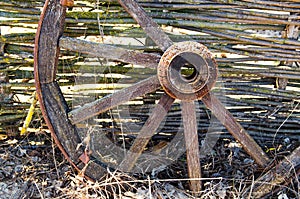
[187,71]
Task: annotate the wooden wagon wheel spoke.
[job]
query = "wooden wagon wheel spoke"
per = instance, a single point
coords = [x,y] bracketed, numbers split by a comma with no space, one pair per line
[94,108]
[147,23]
[147,131]
[110,52]
[238,132]
[192,144]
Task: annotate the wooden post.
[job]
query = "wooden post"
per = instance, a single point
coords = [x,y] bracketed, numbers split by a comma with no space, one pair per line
[2,44]
[4,87]
[291,32]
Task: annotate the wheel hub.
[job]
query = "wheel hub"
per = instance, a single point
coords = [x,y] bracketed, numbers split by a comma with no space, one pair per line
[187,71]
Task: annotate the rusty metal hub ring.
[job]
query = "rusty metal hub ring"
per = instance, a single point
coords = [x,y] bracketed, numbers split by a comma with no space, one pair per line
[200,71]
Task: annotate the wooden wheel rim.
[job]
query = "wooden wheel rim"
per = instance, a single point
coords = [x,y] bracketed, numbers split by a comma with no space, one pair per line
[53,106]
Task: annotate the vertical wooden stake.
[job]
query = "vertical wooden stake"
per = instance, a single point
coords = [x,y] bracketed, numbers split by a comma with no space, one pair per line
[291,32]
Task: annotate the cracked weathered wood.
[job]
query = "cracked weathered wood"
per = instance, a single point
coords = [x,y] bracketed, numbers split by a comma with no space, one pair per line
[192,145]
[52,102]
[46,49]
[126,94]
[148,130]
[282,173]
[147,23]
[110,52]
[56,109]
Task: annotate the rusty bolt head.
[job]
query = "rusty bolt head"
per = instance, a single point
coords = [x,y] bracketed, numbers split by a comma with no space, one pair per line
[187,71]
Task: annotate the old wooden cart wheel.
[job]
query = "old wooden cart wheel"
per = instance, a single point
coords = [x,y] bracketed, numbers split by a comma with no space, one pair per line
[80,148]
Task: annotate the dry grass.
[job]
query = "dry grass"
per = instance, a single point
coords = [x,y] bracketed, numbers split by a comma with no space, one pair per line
[32,167]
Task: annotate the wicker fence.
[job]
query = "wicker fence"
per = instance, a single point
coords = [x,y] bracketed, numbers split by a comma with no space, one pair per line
[255,43]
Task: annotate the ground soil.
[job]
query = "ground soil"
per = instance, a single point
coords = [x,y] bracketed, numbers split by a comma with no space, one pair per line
[32,167]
